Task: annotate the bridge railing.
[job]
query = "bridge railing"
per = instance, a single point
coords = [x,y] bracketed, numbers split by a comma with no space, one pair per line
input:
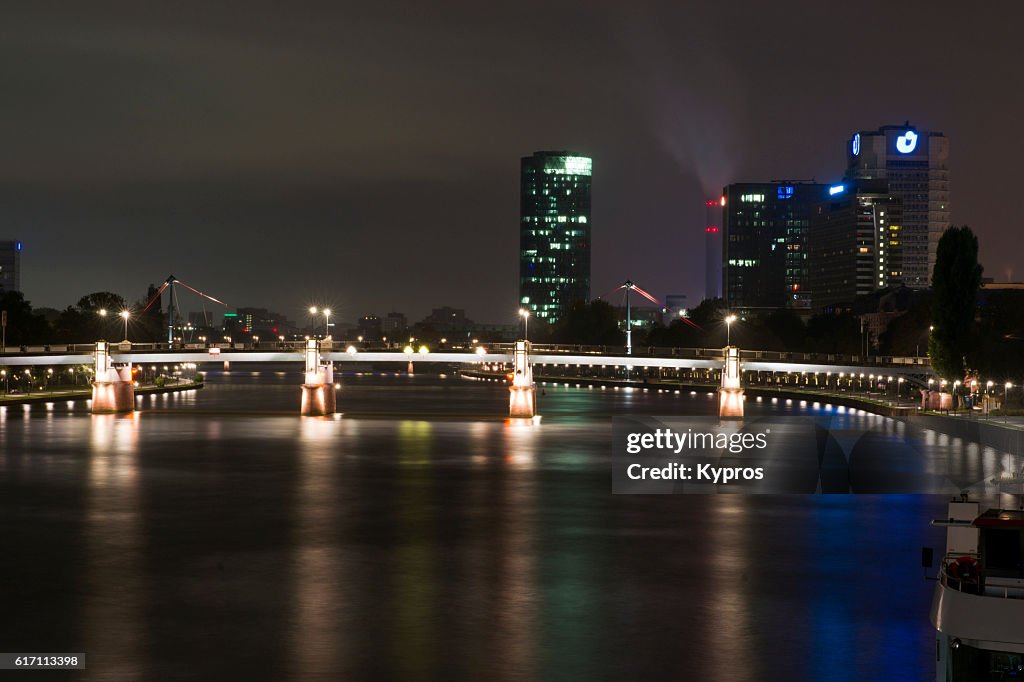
[540,348]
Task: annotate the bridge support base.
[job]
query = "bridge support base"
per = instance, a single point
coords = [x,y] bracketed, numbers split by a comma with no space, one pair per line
[730,402]
[318,400]
[113,390]
[318,395]
[522,398]
[730,393]
[522,401]
[113,397]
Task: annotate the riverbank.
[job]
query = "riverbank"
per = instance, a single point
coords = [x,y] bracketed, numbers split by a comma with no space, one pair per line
[866,403]
[86,394]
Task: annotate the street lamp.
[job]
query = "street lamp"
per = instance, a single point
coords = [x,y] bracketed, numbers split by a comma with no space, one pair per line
[125,314]
[525,314]
[327,322]
[1006,392]
[729,319]
[312,312]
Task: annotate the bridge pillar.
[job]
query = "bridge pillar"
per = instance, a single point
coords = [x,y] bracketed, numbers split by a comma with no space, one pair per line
[318,395]
[113,389]
[730,393]
[522,400]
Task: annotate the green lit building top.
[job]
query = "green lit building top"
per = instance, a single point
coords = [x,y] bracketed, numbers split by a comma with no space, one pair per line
[554,233]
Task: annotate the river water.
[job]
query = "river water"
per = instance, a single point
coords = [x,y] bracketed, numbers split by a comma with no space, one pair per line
[420,535]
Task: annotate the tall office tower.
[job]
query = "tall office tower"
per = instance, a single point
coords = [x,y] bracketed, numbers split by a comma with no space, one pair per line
[554,233]
[10,265]
[765,255]
[713,249]
[854,243]
[915,163]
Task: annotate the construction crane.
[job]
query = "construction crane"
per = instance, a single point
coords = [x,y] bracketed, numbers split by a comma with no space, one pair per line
[173,311]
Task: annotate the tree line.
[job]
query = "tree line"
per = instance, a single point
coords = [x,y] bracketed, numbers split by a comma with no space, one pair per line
[79,323]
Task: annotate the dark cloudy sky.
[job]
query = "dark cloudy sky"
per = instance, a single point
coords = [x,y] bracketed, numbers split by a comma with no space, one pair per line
[366,155]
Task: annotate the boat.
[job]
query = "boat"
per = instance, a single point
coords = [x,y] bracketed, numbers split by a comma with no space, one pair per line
[978,605]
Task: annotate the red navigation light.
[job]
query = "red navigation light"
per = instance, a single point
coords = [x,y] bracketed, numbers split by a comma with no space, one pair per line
[711,229]
[711,202]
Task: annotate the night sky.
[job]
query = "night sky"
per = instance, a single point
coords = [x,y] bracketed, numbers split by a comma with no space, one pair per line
[366,155]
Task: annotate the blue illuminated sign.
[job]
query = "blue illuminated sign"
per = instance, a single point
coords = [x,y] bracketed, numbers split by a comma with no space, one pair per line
[836,189]
[855,145]
[19,246]
[784,191]
[907,142]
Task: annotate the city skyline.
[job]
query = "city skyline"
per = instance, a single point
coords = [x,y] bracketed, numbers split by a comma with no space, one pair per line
[209,145]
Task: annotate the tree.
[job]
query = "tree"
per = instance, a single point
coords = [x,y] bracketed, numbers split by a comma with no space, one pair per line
[594,323]
[955,283]
[23,325]
[908,333]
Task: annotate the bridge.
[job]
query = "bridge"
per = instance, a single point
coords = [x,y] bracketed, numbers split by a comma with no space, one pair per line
[113,389]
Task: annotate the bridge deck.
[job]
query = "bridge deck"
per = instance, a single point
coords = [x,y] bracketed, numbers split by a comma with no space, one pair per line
[565,359]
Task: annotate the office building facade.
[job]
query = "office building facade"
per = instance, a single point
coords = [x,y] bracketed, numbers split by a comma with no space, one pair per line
[854,244]
[915,164]
[554,233]
[10,265]
[764,255]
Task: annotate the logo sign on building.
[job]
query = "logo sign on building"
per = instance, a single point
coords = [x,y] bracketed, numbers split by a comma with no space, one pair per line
[855,145]
[907,142]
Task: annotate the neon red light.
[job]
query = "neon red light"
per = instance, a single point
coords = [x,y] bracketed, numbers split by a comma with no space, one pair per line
[711,229]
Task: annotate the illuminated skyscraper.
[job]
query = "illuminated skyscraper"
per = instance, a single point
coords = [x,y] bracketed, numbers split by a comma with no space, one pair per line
[554,233]
[10,265]
[915,163]
[854,243]
[765,240]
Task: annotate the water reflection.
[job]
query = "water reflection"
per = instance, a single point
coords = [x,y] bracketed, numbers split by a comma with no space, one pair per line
[421,535]
[317,640]
[113,584]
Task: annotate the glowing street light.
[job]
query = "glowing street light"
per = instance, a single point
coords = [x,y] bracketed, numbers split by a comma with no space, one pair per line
[525,314]
[729,319]
[125,314]
[312,328]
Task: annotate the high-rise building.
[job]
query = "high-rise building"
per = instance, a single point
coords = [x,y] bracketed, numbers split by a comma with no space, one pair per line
[554,233]
[915,163]
[854,243]
[713,249]
[764,255]
[10,265]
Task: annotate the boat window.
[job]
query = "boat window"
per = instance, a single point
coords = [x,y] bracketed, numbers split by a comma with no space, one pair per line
[1002,553]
